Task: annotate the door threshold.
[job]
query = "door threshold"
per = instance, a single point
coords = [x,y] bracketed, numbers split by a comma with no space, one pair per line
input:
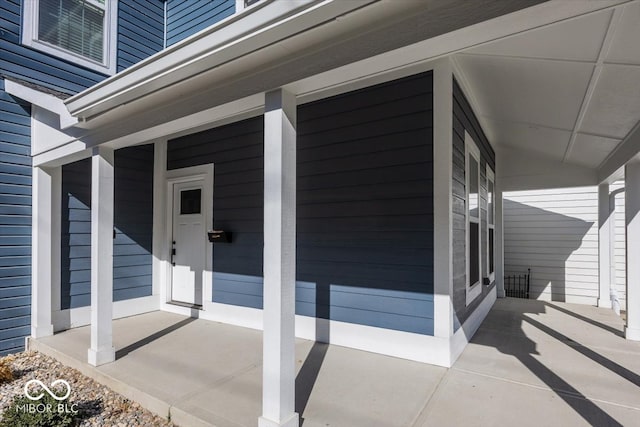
[185,304]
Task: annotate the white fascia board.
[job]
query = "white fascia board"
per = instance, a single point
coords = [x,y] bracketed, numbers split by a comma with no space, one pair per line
[42,100]
[219,44]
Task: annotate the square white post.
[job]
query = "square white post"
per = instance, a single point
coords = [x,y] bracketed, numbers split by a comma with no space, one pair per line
[42,239]
[499,241]
[632,220]
[102,191]
[442,196]
[278,378]
[605,222]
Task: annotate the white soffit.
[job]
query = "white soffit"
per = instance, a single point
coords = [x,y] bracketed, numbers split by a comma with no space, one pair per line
[577,40]
[615,106]
[539,92]
[542,140]
[590,150]
[626,41]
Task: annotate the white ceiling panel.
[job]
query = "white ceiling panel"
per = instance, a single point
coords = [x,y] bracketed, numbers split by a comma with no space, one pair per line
[543,140]
[541,92]
[579,39]
[590,150]
[615,106]
[626,41]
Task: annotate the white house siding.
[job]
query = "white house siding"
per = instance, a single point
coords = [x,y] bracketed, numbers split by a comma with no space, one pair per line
[555,233]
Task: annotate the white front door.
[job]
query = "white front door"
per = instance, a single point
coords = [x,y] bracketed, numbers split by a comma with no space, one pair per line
[189,242]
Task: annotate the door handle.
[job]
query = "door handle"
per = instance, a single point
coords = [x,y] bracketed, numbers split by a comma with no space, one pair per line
[173,253]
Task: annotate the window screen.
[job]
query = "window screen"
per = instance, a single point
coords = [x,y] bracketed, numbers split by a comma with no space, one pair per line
[491,232]
[474,247]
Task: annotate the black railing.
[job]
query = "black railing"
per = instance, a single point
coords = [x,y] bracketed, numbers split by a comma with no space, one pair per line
[517,285]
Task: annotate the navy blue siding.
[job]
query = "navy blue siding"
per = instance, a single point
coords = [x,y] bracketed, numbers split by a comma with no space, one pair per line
[76,235]
[365,211]
[133,222]
[237,152]
[185,18]
[15,223]
[365,205]
[140,30]
[464,119]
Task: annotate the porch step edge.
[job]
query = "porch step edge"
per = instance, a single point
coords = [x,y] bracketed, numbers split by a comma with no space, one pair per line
[159,407]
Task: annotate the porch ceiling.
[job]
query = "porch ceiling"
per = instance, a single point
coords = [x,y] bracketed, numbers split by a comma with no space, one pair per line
[569,91]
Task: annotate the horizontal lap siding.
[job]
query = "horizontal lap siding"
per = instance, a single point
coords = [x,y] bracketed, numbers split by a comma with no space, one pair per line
[133,223]
[620,245]
[15,223]
[76,235]
[555,233]
[365,206]
[464,119]
[365,211]
[140,30]
[237,152]
[185,18]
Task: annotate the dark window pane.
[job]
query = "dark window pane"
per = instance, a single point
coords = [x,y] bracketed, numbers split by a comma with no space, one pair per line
[491,270]
[190,202]
[474,247]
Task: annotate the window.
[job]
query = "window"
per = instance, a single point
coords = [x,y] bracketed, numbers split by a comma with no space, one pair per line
[190,202]
[474,253]
[79,31]
[491,222]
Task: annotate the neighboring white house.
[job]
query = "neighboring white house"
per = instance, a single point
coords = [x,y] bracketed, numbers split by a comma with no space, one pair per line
[554,233]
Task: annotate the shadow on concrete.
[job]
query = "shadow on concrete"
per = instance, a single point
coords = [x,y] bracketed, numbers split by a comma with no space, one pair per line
[608,328]
[524,349]
[149,339]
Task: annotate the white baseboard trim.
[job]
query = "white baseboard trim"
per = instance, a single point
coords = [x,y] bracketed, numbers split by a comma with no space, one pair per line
[245,317]
[464,334]
[76,317]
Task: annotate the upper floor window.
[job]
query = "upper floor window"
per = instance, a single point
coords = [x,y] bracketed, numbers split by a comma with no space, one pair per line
[80,31]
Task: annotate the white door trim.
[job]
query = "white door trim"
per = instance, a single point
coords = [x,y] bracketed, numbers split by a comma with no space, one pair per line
[195,173]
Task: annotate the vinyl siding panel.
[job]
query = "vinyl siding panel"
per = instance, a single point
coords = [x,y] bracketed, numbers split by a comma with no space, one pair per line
[364,206]
[187,18]
[133,223]
[15,223]
[140,30]
[464,119]
[620,245]
[555,233]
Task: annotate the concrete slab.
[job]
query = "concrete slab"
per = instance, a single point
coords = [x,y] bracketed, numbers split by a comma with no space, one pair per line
[530,363]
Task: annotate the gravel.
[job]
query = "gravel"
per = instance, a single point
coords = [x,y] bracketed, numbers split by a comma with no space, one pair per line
[99,405]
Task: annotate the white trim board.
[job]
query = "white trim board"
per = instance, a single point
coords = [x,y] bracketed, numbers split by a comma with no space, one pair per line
[81,316]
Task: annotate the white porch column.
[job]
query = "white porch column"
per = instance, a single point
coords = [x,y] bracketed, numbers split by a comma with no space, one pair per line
[632,220]
[442,196]
[605,222]
[499,241]
[102,182]
[44,186]
[278,380]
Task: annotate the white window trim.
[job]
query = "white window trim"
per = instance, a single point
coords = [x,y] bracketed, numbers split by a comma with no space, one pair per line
[30,38]
[473,290]
[491,176]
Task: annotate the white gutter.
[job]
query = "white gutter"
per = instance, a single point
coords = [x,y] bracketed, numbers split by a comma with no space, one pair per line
[254,28]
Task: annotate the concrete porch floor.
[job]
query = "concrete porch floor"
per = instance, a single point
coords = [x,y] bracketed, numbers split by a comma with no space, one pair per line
[530,364]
